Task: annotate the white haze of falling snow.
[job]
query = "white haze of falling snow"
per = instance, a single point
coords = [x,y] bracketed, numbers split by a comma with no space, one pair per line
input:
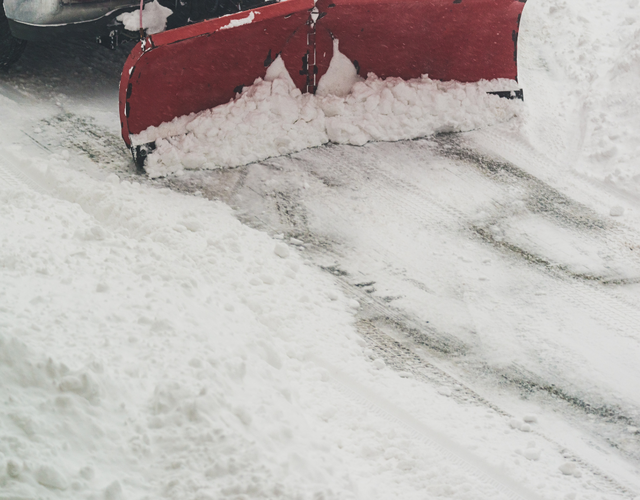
[154,18]
[272,117]
[151,346]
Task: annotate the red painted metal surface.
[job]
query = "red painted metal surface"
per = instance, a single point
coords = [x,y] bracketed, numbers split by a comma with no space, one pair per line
[200,66]
[468,40]
[203,65]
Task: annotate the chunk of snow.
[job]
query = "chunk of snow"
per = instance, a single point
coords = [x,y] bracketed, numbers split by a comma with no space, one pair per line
[47,476]
[114,491]
[379,364]
[568,468]
[113,179]
[340,77]
[234,23]
[445,391]
[278,70]
[616,211]
[14,467]
[154,18]
[281,250]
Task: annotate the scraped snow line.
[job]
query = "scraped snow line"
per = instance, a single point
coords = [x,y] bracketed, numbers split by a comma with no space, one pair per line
[16,173]
[587,189]
[471,464]
[354,190]
[403,358]
[7,176]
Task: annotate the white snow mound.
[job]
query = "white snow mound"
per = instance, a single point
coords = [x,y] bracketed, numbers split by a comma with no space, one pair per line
[581,75]
[272,117]
[340,77]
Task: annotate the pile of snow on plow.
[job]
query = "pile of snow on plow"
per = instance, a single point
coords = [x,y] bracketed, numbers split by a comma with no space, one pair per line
[272,117]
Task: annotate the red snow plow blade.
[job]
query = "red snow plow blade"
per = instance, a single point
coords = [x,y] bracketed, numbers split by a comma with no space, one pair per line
[203,65]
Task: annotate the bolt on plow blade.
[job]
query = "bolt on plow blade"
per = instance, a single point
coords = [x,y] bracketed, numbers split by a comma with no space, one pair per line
[203,65]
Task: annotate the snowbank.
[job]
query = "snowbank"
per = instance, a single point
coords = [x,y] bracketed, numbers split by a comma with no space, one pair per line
[580,68]
[272,117]
[153,347]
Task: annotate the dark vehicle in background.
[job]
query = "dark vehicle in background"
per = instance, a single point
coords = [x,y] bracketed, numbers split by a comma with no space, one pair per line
[42,20]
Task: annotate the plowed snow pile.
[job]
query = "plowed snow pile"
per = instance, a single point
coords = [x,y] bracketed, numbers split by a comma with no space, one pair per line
[272,117]
[579,63]
[152,349]
[151,346]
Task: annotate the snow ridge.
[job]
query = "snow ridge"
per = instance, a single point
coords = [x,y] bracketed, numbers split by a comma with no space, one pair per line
[273,118]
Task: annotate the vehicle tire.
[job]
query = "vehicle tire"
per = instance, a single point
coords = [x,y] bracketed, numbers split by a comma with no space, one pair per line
[11,48]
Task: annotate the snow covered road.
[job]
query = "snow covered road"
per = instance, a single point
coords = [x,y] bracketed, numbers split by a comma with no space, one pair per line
[467,256]
[450,317]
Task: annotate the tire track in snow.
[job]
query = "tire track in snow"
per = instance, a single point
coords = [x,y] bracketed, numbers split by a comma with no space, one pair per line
[450,451]
[401,196]
[619,239]
[621,315]
[82,134]
[602,299]
[7,177]
[402,357]
[400,200]
[15,173]
[328,165]
[474,466]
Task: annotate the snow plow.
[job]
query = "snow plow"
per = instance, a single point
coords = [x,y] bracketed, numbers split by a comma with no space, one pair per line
[203,65]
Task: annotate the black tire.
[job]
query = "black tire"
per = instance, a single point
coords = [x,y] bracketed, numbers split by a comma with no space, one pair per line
[11,48]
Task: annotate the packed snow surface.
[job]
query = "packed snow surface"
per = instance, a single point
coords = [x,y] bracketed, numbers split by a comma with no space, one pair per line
[154,18]
[152,346]
[272,117]
[185,406]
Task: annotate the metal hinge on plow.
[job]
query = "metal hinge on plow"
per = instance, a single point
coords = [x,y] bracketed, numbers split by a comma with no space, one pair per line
[312,52]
